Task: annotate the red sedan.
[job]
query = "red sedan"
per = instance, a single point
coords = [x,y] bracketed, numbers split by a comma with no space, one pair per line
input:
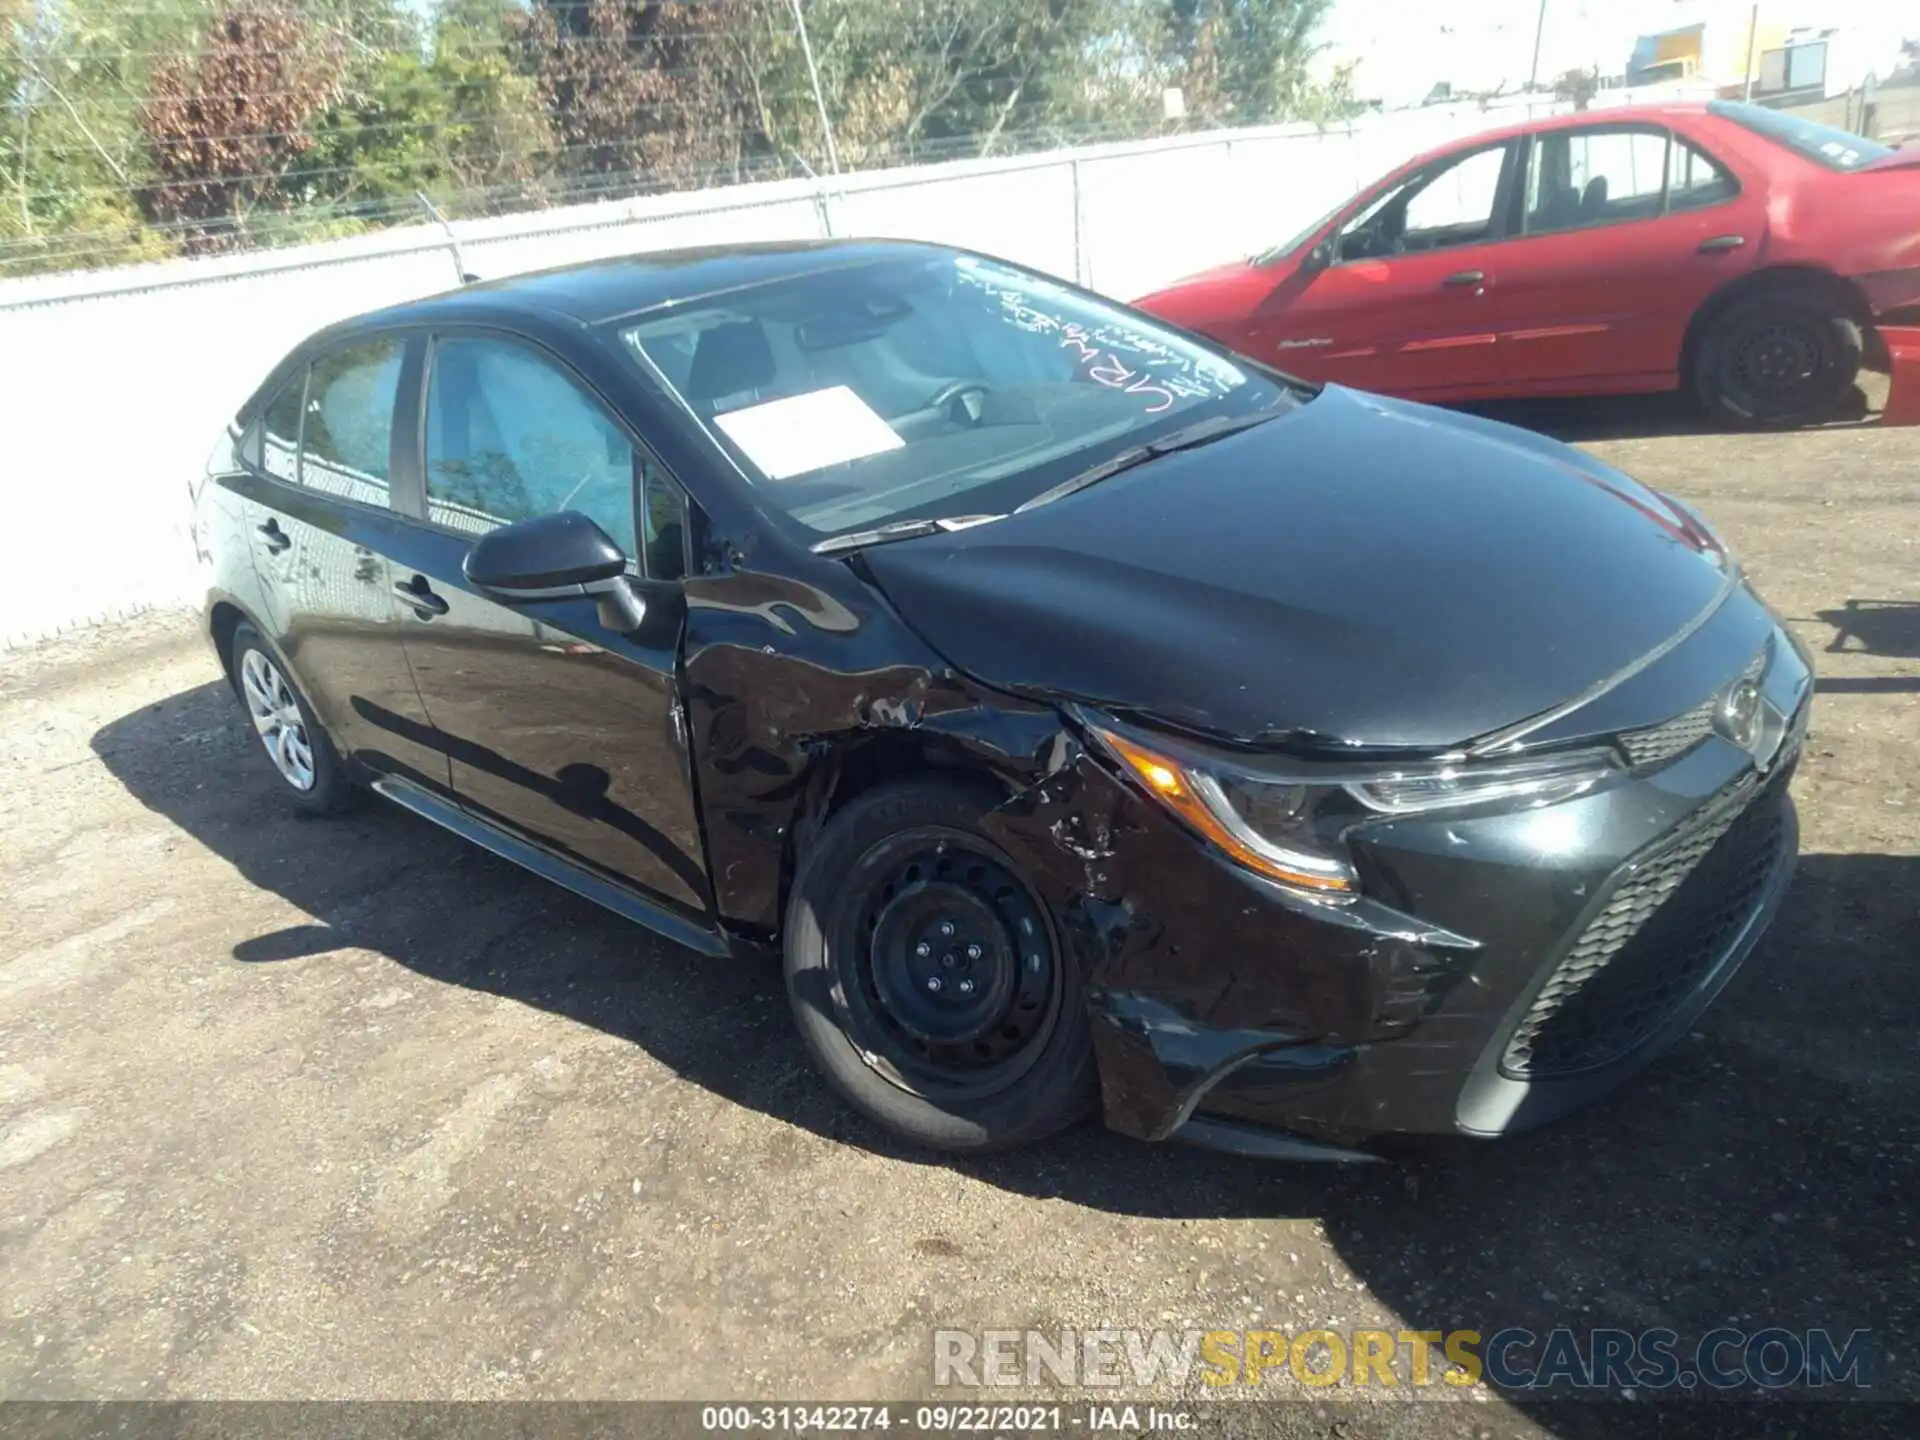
[1755,257]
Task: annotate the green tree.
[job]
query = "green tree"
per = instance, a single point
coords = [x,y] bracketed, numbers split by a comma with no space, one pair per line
[75,75]
[499,144]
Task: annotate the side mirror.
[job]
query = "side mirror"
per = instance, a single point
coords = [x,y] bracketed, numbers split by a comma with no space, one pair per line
[1318,258]
[556,557]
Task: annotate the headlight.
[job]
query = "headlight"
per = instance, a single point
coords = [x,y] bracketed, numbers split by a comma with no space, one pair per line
[1286,826]
[1545,781]
[1264,825]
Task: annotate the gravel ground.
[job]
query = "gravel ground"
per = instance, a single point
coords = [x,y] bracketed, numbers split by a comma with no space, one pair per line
[347,1109]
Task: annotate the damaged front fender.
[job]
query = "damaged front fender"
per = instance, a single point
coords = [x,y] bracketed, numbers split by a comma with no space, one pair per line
[1198,972]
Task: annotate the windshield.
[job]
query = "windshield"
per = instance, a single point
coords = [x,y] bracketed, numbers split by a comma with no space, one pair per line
[930,387]
[1835,149]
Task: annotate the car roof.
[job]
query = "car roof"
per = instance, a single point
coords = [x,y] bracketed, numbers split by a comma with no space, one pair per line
[597,291]
[1609,115]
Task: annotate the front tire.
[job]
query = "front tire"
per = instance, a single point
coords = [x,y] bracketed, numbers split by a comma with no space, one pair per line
[297,748]
[1786,356]
[928,978]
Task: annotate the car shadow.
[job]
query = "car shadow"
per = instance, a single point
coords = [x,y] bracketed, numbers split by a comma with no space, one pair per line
[1641,417]
[1761,1174]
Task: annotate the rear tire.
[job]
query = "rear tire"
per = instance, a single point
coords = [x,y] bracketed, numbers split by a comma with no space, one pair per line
[928,979]
[298,752]
[1785,356]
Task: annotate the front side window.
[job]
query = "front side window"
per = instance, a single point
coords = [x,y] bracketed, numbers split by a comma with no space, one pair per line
[1290,247]
[1583,178]
[1823,144]
[1451,204]
[929,387]
[347,427]
[510,437]
[663,524]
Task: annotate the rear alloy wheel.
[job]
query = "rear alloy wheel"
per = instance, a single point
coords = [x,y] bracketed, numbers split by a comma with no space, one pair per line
[1784,357]
[296,746]
[927,977]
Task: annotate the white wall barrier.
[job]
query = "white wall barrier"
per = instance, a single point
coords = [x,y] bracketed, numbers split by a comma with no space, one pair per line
[118,382]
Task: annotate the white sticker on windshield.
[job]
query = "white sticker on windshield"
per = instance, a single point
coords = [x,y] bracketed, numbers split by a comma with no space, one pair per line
[805,432]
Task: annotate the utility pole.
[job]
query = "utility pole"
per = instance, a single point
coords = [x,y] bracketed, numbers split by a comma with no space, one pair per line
[1753,39]
[1539,33]
[819,100]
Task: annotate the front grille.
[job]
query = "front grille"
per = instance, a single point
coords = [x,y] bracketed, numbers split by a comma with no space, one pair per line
[1671,739]
[1661,743]
[1654,941]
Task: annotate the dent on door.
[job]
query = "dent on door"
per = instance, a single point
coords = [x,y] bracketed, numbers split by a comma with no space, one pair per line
[554,724]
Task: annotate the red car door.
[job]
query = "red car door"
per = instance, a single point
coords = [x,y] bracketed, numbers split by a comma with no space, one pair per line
[1395,299]
[1625,231]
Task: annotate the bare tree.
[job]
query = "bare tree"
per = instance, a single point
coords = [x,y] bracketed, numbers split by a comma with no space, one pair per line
[1579,86]
[225,126]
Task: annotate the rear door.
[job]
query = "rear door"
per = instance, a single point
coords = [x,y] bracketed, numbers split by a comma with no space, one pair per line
[316,500]
[1401,307]
[557,727]
[1623,232]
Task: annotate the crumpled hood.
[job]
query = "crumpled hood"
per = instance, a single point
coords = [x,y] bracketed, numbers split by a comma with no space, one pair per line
[1362,571]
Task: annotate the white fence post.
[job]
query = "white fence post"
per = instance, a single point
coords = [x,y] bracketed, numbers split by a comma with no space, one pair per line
[1082,271]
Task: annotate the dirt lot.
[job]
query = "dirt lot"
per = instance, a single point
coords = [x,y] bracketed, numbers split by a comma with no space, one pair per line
[348,1109]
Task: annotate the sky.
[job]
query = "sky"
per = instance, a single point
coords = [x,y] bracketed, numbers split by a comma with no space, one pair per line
[1405,46]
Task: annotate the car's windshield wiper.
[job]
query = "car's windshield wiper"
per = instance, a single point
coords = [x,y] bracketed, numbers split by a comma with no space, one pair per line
[899,530]
[1187,438]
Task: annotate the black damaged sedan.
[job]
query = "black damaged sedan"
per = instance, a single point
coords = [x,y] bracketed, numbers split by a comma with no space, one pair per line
[1091,718]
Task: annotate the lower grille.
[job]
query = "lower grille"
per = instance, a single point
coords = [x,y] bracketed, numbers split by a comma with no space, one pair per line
[1655,940]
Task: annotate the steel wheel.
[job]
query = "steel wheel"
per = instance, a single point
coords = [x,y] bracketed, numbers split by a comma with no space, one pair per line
[951,978]
[275,712]
[1784,356]
[928,977]
[1780,364]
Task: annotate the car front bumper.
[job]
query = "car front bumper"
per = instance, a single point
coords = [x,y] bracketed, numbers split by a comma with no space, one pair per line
[1503,968]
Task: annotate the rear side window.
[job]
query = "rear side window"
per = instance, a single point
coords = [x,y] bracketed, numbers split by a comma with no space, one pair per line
[280,431]
[1698,180]
[1581,178]
[346,428]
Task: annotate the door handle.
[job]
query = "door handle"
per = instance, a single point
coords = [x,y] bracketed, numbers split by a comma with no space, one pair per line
[277,539]
[1466,277]
[419,594]
[1722,242]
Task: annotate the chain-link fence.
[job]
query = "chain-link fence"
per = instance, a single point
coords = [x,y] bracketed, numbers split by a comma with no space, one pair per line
[146,129]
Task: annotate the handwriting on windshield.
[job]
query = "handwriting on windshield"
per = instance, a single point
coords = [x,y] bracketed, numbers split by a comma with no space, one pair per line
[1109,369]
[1115,354]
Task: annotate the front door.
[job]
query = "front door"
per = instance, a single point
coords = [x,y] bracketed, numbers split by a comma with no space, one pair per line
[556,727]
[314,499]
[1401,307]
[1626,230]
